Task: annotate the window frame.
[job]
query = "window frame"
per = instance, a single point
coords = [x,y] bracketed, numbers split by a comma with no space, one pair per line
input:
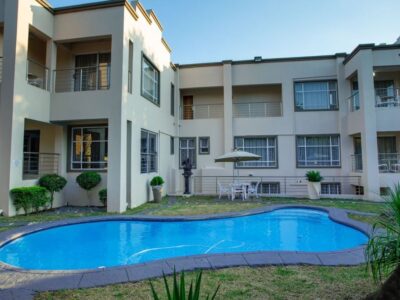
[158,102]
[70,144]
[172,96]
[296,109]
[259,136]
[339,166]
[130,66]
[172,145]
[148,153]
[269,183]
[195,151]
[338,187]
[209,146]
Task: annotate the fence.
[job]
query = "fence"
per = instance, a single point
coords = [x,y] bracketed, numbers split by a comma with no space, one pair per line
[203,111]
[37,164]
[38,75]
[257,109]
[1,69]
[295,186]
[354,102]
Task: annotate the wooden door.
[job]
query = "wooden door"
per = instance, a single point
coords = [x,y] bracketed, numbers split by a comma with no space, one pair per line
[187,107]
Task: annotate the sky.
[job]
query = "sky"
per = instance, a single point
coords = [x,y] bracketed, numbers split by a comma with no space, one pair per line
[214,30]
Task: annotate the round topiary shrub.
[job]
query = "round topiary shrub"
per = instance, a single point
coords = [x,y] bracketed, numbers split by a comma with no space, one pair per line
[53,183]
[88,180]
[103,197]
[157,181]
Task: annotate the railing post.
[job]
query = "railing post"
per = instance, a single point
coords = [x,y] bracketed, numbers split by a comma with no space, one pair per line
[80,79]
[97,76]
[284,179]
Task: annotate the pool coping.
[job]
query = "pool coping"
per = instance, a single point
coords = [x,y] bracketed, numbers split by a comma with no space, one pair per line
[73,279]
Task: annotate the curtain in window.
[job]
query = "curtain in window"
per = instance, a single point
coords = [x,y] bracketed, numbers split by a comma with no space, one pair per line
[187,149]
[262,146]
[318,151]
[148,149]
[315,95]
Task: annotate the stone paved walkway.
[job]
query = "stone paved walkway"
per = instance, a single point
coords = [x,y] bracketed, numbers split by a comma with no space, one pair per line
[16,284]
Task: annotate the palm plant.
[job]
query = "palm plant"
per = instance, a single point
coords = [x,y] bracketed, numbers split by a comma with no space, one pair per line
[179,290]
[383,249]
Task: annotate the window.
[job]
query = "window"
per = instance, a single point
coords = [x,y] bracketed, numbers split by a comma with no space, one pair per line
[150,81]
[268,188]
[331,188]
[204,145]
[262,146]
[148,152]
[318,151]
[92,72]
[316,95]
[187,149]
[89,148]
[172,146]
[172,100]
[130,67]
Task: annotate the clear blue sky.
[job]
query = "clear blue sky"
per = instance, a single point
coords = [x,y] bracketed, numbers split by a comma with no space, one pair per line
[214,30]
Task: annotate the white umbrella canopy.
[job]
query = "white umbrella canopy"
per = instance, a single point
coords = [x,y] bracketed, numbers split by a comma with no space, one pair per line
[237,156]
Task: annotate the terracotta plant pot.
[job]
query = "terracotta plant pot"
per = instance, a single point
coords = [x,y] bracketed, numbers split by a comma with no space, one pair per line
[314,190]
[157,193]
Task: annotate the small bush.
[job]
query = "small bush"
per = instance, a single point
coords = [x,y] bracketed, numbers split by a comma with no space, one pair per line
[103,196]
[29,197]
[156,181]
[88,180]
[314,176]
[53,183]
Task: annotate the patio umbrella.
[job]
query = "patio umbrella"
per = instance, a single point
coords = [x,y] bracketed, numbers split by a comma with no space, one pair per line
[237,156]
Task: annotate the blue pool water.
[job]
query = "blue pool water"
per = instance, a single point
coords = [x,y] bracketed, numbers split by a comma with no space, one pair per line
[113,243]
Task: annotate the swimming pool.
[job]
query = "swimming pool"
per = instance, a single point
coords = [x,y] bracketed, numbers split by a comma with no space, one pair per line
[123,242]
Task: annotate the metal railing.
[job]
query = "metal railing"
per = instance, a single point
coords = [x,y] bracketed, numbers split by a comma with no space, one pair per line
[354,101]
[203,111]
[37,164]
[38,75]
[257,110]
[1,69]
[82,79]
[295,186]
[356,163]
[387,97]
[389,162]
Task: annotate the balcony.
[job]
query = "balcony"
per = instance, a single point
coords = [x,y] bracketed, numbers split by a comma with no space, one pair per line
[83,79]
[387,97]
[257,110]
[204,111]
[38,164]
[38,75]
[387,163]
[354,101]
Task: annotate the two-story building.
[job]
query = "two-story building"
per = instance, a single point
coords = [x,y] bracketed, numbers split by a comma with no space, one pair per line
[92,87]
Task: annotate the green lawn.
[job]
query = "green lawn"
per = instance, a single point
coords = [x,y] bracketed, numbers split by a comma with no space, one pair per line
[294,282]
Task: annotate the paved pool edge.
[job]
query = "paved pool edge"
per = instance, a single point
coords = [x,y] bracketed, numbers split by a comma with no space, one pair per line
[137,272]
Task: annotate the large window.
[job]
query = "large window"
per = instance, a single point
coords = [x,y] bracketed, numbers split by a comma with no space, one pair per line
[89,148]
[318,151]
[130,67]
[316,95]
[92,72]
[266,147]
[172,100]
[187,149]
[148,151]
[150,81]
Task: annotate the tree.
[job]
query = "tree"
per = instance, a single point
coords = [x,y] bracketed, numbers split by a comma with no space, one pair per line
[53,183]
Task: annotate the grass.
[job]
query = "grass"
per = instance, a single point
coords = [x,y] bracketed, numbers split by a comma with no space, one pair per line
[293,282]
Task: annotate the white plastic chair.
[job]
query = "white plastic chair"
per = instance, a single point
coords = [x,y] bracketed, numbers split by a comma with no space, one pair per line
[238,188]
[253,189]
[224,190]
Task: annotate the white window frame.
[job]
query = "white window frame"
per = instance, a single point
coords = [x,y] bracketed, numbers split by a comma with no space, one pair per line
[149,154]
[333,188]
[81,162]
[201,147]
[332,163]
[187,149]
[333,101]
[154,81]
[268,164]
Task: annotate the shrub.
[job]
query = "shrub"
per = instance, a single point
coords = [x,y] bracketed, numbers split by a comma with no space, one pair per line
[29,197]
[88,180]
[103,196]
[314,176]
[53,183]
[156,181]
[178,291]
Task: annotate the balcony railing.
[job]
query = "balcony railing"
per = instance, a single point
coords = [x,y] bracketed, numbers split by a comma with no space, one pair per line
[354,101]
[1,69]
[38,75]
[37,164]
[389,162]
[82,79]
[257,110]
[204,111]
[356,163]
[387,97]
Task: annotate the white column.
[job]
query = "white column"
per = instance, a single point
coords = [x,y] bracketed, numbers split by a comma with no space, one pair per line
[368,132]
[228,126]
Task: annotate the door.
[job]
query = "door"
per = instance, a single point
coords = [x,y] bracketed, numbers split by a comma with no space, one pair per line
[31,151]
[187,107]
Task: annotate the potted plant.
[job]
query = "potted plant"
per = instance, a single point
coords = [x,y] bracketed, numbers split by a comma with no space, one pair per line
[156,185]
[88,180]
[103,197]
[314,184]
